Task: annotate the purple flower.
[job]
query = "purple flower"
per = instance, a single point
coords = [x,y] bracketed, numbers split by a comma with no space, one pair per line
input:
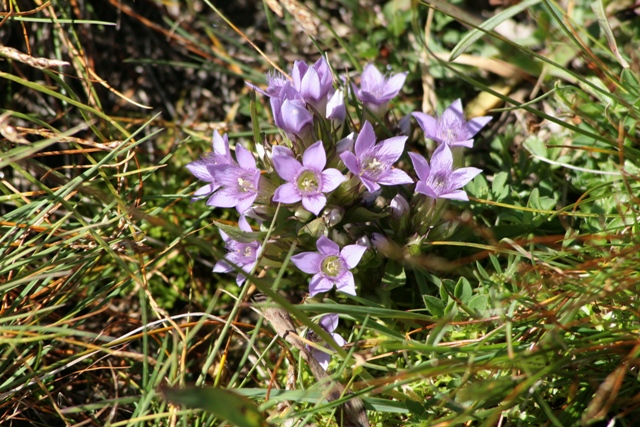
[241,255]
[330,266]
[451,127]
[439,180]
[336,109]
[313,83]
[329,323]
[376,90]
[306,181]
[239,182]
[205,168]
[372,162]
[290,112]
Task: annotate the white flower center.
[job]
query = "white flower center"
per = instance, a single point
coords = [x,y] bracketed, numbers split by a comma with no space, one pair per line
[308,182]
[373,166]
[332,266]
[245,185]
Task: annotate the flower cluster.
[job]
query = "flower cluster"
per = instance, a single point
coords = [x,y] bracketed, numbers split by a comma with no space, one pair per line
[328,187]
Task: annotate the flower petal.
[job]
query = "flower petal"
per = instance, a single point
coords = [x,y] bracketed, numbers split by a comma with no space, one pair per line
[346,284]
[309,262]
[245,204]
[206,190]
[473,126]
[423,188]
[223,198]
[287,167]
[371,78]
[390,150]
[345,144]
[245,158]
[287,193]
[322,358]
[310,85]
[456,195]
[428,124]
[327,247]
[319,284]
[371,185]
[220,144]
[394,84]
[351,162]
[366,139]
[222,266]
[352,254]
[461,177]
[294,116]
[338,339]
[200,170]
[314,203]
[421,165]
[331,179]
[243,224]
[394,177]
[281,150]
[315,157]
[336,109]
[329,322]
[442,161]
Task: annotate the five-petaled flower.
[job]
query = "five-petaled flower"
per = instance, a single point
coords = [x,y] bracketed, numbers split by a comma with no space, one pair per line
[206,169]
[329,323]
[376,90]
[372,162]
[440,180]
[241,255]
[239,182]
[308,181]
[451,128]
[330,266]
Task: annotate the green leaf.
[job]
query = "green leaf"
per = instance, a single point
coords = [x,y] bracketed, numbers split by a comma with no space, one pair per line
[463,290]
[315,228]
[476,34]
[447,288]
[225,404]
[361,214]
[479,303]
[434,305]
[240,236]
[499,187]
[394,276]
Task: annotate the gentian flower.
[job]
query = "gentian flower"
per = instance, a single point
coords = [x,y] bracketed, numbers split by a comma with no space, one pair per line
[239,182]
[372,162]
[376,90]
[330,266]
[205,168]
[243,255]
[329,323]
[313,83]
[439,180]
[290,112]
[451,127]
[306,181]
[336,109]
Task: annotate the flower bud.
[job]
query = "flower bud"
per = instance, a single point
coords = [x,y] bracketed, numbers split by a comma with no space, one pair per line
[399,206]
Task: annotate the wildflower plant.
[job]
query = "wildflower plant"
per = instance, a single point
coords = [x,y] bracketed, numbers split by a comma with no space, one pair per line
[329,185]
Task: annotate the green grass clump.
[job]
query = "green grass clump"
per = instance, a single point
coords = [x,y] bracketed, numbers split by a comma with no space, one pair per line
[526,315]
